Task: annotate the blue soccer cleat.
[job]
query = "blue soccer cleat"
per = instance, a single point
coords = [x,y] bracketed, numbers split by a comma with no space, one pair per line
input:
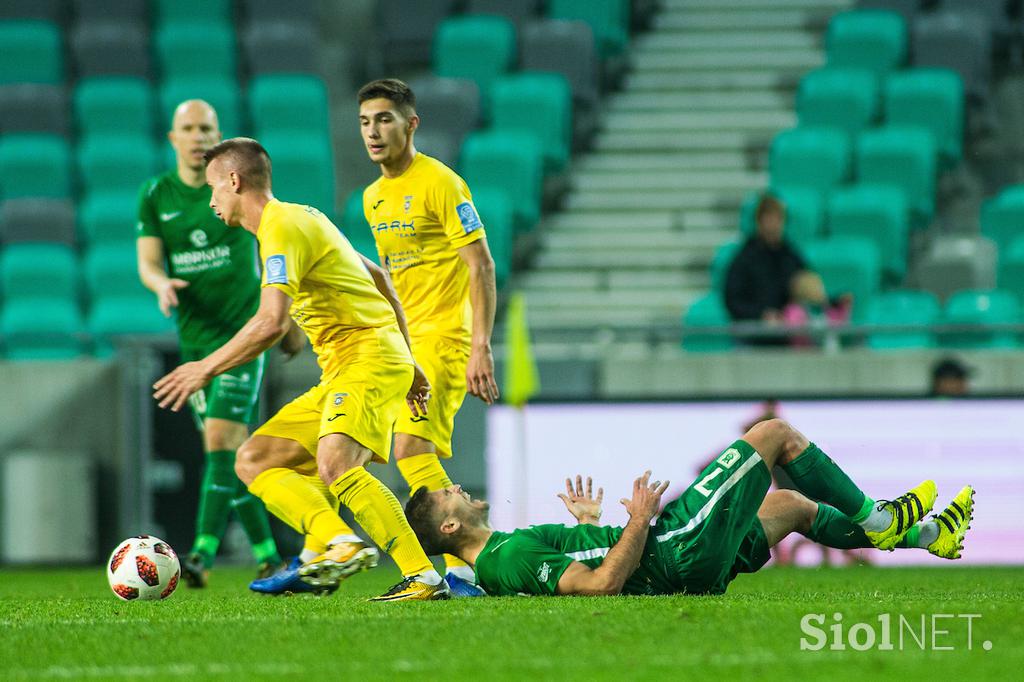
[288,581]
[463,588]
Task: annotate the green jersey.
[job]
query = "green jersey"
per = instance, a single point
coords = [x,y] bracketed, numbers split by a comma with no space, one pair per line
[219,262]
[531,560]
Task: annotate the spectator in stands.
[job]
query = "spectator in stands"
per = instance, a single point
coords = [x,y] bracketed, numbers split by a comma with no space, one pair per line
[950,378]
[769,280]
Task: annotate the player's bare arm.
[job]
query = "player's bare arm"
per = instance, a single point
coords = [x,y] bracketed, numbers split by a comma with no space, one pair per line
[150,256]
[483,299]
[581,502]
[624,557]
[419,392]
[262,331]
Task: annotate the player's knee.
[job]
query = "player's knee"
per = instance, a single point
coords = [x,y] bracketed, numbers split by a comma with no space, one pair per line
[249,462]
[776,440]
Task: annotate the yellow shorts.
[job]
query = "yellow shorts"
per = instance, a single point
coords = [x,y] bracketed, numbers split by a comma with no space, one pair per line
[444,362]
[362,401]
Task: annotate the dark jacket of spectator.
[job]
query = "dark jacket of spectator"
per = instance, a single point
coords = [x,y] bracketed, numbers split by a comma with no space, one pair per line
[760,278]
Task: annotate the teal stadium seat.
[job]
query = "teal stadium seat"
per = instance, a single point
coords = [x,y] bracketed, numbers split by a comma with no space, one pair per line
[223,94]
[114,315]
[303,169]
[609,19]
[981,307]
[42,328]
[191,49]
[902,308]
[354,226]
[31,52]
[496,214]
[1011,268]
[707,311]
[282,103]
[108,217]
[847,265]
[512,162]
[804,212]
[903,157]
[846,99]
[116,165]
[201,11]
[537,103]
[479,48]
[115,106]
[32,269]
[932,99]
[866,39]
[1002,218]
[34,165]
[817,158]
[720,262]
[877,212]
[110,269]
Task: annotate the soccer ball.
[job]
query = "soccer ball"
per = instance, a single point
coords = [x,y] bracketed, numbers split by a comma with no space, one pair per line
[143,567]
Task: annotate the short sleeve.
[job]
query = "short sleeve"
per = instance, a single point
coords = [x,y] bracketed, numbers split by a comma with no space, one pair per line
[453,204]
[532,567]
[286,256]
[147,225]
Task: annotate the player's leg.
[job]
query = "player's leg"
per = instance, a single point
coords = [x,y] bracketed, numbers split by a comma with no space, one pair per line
[819,477]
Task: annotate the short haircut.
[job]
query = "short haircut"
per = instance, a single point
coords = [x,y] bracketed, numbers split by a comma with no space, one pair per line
[393,90]
[426,523]
[248,156]
[767,204]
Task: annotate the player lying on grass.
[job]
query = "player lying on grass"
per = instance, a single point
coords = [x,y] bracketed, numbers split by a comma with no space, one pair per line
[722,525]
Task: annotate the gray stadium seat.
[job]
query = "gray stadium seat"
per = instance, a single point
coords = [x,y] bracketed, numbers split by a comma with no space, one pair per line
[959,40]
[449,105]
[44,10]
[274,11]
[273,47]
[957,262]
[994,11]
[440,144]
[33,107]
[112,11]
[37,220]
[406,29]
[906,8]
[516,11]
[108,49]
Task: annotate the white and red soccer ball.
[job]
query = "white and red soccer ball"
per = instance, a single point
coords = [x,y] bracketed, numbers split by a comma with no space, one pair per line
[143,567]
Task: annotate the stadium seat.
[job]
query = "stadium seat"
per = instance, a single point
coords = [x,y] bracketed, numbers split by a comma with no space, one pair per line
[954,262]
[478,48]
[708,311]
[115,106]
[846,99]
[439,144]
[981,307]
[804,212]
[867,39]
[274,11]
[720,262]
[222,94]
[111,269]
[1002,218]
[124,12]
[450,106]
[34,165]
[303,169]
[108,217]
[904,157]
[817,158]
[539,104]
[38,269]
[115,164]
[509,161]
[112,316]
[496,214]
[279,47]
[194,11]
[877,212]
[34,108]
[900,309]
[517,11]
[847,265]
[609,19]
[37,220]
[187,49]
[959,40]
[1011,269]
[905,8]
[407,29]
[42,328]
[288,103]
[932,99]
[110,48]
[354,226]
[31,53]
[51,11]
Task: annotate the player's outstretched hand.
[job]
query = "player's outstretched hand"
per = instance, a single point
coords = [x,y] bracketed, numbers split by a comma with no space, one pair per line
[480,375]
[167,297]
[581,502]
[646,497]
[173,390]
[418,393]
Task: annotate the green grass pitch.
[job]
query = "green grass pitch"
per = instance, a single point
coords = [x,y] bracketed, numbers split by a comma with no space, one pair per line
[65,624]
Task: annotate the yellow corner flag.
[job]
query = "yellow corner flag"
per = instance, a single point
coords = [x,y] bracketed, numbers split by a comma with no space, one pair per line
[521,378]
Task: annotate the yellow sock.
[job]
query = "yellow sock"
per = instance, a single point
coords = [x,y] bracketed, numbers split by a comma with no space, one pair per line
[377,510]
[292,498]
[425,471]
[311,543]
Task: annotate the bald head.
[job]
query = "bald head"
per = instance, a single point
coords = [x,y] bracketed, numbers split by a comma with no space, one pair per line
[194,130]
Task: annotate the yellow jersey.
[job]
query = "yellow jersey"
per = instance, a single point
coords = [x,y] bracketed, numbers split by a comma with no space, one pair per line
[420,220]
[334,299]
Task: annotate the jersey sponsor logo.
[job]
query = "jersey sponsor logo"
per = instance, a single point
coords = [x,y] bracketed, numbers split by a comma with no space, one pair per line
[468,217]
[191,262]
[421,418]
[379,202]
[340,414]
[544,572]
[406,229]
[198,239]
[277,272]
[165,217]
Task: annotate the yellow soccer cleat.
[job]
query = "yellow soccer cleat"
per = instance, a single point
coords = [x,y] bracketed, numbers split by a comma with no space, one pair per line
[411,589]
[907,511]
[337,563]
[953,523]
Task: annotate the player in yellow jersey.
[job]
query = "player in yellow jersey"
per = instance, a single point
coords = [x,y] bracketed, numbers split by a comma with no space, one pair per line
[432,242]
[347,308]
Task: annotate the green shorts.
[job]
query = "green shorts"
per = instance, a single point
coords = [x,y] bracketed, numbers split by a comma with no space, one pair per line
[233,395]
[711,532]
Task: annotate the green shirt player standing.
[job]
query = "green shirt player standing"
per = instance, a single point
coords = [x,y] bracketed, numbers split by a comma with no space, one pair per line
[209,273]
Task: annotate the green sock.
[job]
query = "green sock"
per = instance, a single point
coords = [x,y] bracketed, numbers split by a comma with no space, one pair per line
[833,528]
[817,476]
[215,495]
[253,515]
